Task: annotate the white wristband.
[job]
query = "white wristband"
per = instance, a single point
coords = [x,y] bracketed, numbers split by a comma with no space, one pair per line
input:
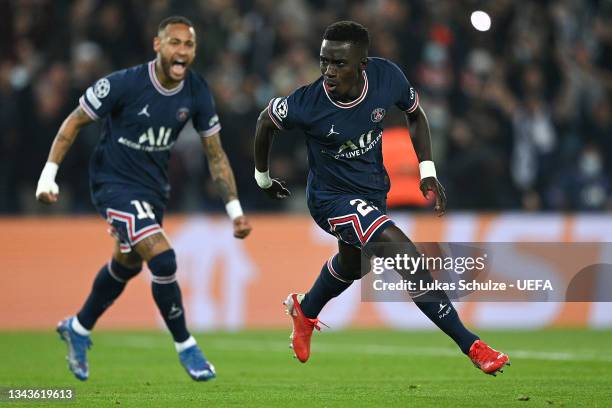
[263,178]
[46,182]
[427,169]
[49,171]
[234,210]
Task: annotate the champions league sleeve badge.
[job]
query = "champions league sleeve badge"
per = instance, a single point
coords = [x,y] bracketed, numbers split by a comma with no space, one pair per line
[102,88]
[281,109]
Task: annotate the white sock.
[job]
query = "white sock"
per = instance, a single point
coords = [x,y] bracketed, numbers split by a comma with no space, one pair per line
[78,327]
[185,344]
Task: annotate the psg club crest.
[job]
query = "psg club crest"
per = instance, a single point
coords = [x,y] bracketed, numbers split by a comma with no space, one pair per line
[182,114]
[377,115]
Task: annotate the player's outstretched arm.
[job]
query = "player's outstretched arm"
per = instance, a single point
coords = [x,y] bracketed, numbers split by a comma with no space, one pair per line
[421,140]
[47,190]
[223,177]
[264,136]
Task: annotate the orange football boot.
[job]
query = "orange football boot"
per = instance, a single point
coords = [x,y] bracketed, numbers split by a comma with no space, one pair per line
[489,360]
[302,327]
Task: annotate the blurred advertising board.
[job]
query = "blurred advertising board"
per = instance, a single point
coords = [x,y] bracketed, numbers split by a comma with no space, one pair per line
[49,265]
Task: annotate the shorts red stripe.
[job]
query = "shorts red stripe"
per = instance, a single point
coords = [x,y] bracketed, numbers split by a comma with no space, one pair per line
[354,220]
[133,236]
[381,220]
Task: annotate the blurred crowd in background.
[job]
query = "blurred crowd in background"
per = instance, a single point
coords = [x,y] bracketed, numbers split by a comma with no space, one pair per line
[521,115]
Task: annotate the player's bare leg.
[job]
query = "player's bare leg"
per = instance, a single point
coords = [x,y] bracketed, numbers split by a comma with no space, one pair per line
[128,259]
[337,274]
[161,259]
[436,305]
[108,285]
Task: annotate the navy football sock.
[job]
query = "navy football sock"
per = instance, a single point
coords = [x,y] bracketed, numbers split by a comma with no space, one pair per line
[436,305]
[328,285]
[167,294]
[107,287]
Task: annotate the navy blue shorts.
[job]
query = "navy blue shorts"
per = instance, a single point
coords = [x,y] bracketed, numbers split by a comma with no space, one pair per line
[133,214]
[353,219]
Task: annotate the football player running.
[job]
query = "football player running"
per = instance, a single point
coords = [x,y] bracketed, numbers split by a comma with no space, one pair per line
[341,115]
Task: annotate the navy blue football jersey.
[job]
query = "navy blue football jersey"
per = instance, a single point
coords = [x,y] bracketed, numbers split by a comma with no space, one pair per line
[142,121]
[344,140]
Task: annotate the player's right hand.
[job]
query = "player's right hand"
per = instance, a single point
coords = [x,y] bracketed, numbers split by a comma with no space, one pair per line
[277,191]
[47,191]
[242,227]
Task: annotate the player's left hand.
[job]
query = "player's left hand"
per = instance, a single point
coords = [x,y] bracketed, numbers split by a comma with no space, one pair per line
[278,190]
[242,228]
[432,184]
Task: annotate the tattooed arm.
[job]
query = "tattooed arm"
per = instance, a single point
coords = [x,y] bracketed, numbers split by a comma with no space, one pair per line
[67,134]
[47,190]
[220,168]
[223,177]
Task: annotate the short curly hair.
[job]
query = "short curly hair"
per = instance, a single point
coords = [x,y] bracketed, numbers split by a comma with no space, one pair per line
[348,31]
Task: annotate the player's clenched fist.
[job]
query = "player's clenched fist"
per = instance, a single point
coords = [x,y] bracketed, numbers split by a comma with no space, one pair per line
[47,191]
[242,228]
[432,184]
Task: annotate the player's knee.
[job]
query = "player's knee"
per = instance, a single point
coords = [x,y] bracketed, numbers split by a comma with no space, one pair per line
[163,267]
[124,272]
[343,271]
[349,268]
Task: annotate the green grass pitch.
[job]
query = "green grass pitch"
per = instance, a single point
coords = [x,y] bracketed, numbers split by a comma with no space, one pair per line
[552,368]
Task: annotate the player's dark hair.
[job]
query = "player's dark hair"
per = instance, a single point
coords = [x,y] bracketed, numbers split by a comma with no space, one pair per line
[348,31]
[173,20]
